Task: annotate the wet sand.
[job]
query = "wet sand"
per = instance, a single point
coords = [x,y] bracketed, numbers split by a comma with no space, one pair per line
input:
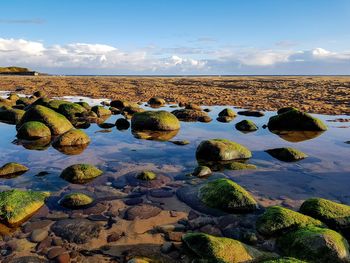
[314,94]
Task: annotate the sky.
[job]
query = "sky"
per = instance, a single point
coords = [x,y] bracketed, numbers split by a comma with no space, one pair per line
[177,37]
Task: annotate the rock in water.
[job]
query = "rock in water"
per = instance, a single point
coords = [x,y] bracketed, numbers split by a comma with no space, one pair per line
[251,113]
[142,211]
[155,121]
[246,126]
[227,113]
[71,138]
[277,220]
[315,244]
[12,169]
[120,104]
[287,154]
[76,200]
[228,196]
[80,173]
[191,115]
[202,171]
[221,249]
[146,176]
[17,205]
[71,110]
[57,123]
[33,130]
[10,115]
[101,111]
[156,101]
[295,120]
[221,150]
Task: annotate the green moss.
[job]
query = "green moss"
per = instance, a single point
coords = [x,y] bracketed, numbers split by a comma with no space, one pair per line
[239,166]
[10,115]
[228,196]
[287,154]
[221,150]
[80,173]
[71,110]
[33,130]
[16,205]
[246,125]
[101,111]
[155,121]
[146,175]
[277,220]
[76,200]
[55,104]
[284,260]
[12,169]
[295,120]
[84,104]
[71,138]
[221,249]
[315,244]
[227,113]
[285,109]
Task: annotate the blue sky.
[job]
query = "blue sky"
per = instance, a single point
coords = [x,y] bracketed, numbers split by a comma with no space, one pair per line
[177,37]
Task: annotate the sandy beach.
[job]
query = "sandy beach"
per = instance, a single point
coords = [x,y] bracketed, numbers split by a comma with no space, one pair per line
[324,94]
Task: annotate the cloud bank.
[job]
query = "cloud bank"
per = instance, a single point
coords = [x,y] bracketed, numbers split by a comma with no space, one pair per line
[87,58]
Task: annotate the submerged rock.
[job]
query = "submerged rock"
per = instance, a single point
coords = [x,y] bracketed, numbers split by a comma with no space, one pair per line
[71,138]
[155,121]
[202,171]
[156,101]
[12,169]
[296,120]
[146,176]
[315,244]
[221,150]
[33,130]
[228,196]
[80,173]
[17,205]
[190,115]
[277,220]
[141,211]
[246,126]
[287,154]
[76,200]
[207,248]
[10,115]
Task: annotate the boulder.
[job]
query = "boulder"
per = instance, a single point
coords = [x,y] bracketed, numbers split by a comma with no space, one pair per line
[277,220]
[12,170]
[228,196]
[10,115]
[122,124]
[227,113]
[84,104]
[190,115]
[246,126]
[71,110]
[202,171]
[156,101]
[76,200]
[192,106]
[285,109]
[224,119]
[33,130]
[71,138]
[101,111]
[221,150]
[251,113]
[287,154]
[155,121]
[80,173]
[120,104]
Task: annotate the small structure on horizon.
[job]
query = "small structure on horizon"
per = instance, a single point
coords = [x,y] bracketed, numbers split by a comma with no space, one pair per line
[17,71]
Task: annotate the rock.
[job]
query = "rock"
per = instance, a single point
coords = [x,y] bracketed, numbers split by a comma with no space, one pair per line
[277,220]
[189,115]
[115,236]
[120,104]
[63,258]
[71,110]
[166,247]
[285,109]
[71,138]
[78,230]
[224,119]
[146,175]
[204,119]
[334,215]
[17,205]
[38,235]
[106,125]
[251,113]
[55,104]
[142,211]
[287,154]
[284,260]
[161,193]
[315,244]
[295,120]
[101,111]
[201,171]
[33,130]
[27,259]
[55,251]
[156,101]
[246,126]
[122,124]
[227,113]
[140,260]
[80,173]
[239,166]
[183,142]
[10,115]
[192,106]
[56,122]
[85,105]
[155,121]
[76,200]
[12,169]
[174,236]
[228,196]
[221,249]
[39,94]
[221,150]
[127,111]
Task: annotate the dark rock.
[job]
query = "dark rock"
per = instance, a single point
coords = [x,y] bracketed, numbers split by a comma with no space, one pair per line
[251,113]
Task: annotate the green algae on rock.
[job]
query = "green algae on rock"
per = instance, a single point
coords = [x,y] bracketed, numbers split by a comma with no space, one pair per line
[57,123]
[17,205]
[277,220]
[76,200]
[287,154]
[284,260]
[71,138]
[12,169]
[101,111]
[80,173]
[221,249]
[315,244]
[295,120]
[71,110]
[146,175]
[221,150]
[191,115]
[246,126]
[120,104]
[155,121]
[33,130]
[10,115]
[239,166]
[228,196]
[285,109]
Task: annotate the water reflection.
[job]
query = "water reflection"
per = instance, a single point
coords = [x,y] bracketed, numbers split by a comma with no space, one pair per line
[38,145]
[297,136]
[155,135]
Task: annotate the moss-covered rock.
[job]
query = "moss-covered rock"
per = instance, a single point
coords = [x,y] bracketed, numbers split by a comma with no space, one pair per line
[202,171]
[76,200]
[120,104]
[287,154]
[221,150]
[101,111]
[221,250]
[224,119]
[251,113]
[335,215]
[296,120]
[84,104]
[246,126]
[239,166]
[190,115]
[156,101]
[277,220]
[56,122]
[228,196]
[39,94]
[228,113]
[10,115]
[71,138]
[17,205]
[71,110]
[80,173]
[131,110]
[13,97]
[155,121]
[315,244]
[55,104]
[12,169]
[146,176]
[285,109]
[33,130]
[284,260]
